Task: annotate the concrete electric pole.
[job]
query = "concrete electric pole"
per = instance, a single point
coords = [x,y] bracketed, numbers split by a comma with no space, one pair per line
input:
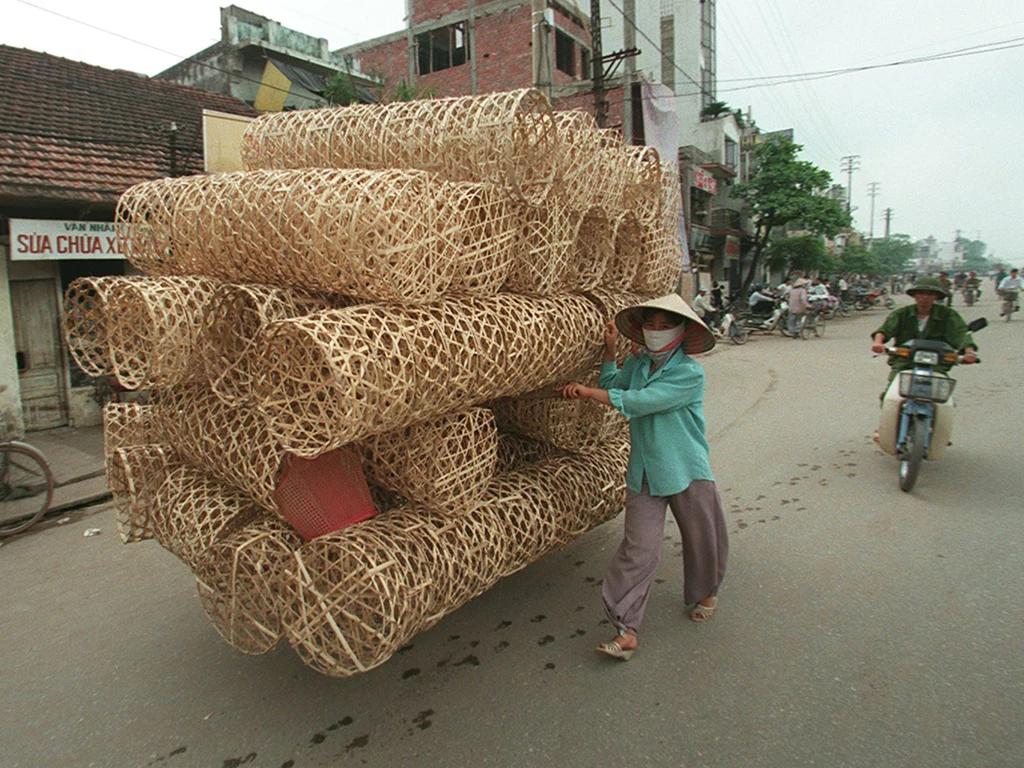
[872,193]
[887,215]
[597,62]
[850,163]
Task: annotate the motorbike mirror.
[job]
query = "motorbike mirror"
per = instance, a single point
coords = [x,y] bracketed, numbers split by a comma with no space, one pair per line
[977,325]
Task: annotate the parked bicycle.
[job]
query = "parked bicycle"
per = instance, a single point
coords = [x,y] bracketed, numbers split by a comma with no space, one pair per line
[26,487]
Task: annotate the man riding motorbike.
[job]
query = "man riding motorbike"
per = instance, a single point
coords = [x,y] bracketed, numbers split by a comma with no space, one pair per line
[926,318]
[761,302]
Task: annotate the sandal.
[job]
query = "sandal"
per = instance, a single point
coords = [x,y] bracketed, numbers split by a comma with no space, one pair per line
[615,650]
[704,612]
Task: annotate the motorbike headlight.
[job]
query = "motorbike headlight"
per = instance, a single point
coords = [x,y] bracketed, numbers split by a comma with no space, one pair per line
[926,358]
[935,388]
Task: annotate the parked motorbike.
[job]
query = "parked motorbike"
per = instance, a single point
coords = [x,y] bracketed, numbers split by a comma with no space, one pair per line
[872,299]
[760,322]
[917,410]
[730,329]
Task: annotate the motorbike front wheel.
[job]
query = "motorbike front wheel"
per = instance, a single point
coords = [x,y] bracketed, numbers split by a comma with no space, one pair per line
[910,461]
[890,302]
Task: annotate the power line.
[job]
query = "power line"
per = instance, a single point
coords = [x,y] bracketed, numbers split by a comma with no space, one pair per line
[235,75]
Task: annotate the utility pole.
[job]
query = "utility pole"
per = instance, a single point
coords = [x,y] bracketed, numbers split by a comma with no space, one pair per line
[597,59]
[872,193]
[850,163]
[888,218]
[541,47]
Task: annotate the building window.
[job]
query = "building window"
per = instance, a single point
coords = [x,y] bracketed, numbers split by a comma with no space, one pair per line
[730,152]
[587,74]
[668,51]
[708,84]
[565,53]
[442,48]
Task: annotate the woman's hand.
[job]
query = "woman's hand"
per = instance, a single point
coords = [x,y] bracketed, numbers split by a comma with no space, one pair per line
[611,335]
[574,391]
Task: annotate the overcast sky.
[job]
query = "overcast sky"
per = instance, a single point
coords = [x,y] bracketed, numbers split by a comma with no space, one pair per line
[938,137]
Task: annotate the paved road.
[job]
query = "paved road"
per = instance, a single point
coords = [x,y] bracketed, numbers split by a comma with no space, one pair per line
[859,626]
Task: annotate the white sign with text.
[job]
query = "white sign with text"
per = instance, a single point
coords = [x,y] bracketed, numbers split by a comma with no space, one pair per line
[47,239]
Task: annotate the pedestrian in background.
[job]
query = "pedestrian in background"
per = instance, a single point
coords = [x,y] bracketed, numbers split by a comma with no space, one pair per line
[799,305]
[661,391]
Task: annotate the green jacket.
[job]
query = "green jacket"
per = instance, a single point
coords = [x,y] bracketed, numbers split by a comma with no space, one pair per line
[944,324]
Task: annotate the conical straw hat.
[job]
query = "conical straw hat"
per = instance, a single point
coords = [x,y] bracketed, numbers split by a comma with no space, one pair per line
[698,338]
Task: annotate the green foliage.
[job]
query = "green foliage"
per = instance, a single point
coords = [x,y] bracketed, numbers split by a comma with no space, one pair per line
[340,90]
[784,190]
[971,249]
[715,109]
[806,253]
[857,258]
[893,253]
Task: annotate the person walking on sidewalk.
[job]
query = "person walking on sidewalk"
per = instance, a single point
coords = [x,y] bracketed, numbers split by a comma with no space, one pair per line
[661,391]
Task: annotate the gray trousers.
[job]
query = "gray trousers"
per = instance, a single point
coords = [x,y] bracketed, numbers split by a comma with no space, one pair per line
[698,513]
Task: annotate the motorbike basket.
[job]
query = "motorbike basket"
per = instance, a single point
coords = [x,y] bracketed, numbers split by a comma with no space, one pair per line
[926,387]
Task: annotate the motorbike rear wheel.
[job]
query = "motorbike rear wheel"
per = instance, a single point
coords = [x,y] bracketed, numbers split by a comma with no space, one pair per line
[738,334]
[890,302]
[844,309]
[910,461]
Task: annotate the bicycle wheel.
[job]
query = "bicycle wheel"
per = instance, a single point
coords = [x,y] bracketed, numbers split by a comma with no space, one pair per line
[819,326]
[26,487]
[738,334]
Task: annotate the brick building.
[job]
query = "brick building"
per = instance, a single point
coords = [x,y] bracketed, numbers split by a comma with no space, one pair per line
[73,137]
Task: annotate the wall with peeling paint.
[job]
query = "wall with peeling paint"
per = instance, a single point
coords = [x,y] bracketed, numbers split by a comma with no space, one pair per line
[12,423]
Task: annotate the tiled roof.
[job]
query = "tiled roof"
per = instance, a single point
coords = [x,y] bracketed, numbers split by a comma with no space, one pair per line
[73,132]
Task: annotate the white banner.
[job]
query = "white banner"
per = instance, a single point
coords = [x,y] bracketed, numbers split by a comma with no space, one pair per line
[47,239]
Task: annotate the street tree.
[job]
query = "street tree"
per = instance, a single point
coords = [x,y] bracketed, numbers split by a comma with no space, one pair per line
[784,190]
[974,259]
[804,253]
[859,260]
[893,253]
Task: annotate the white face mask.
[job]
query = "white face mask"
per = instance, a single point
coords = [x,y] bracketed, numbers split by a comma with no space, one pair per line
[655,341]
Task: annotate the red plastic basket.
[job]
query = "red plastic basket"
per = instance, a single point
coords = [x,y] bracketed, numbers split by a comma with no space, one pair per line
[324,494]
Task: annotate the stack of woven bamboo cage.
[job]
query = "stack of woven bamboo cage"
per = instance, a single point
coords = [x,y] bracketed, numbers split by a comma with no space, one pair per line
[408,282]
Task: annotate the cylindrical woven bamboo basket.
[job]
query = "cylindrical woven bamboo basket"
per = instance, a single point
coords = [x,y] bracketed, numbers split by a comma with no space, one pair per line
[372,234]
[134,474]
[482,227]
[509,139]
[661,265]
[355,597]
[230,443]
[643,183]
[627,240]
[191,511]
[239,583]
[579,167]
[126,425]
[442,464]
[338,376]
[546,252]
[154,326]
[571,425]
[236,320]
[595,249]
[86,323]
[515,451]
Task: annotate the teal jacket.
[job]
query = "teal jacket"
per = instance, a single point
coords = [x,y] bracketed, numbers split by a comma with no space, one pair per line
[944,324]
[666,421]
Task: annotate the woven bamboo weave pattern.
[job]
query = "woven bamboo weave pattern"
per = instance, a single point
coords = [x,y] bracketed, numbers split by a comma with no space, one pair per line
[86,323]
[338,376]
[237,318]
[375,235]
[627,252]
[154,329]
[133,476]
[239,583]
[661,265]
[443,464]
[579,158]
[509,139]
[572,425]
[482,228]
[356,596]
[191,511]
[515,451]
[546,253]
[230,443]
[595,250]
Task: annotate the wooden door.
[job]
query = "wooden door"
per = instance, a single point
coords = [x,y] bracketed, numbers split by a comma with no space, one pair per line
[40,359]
